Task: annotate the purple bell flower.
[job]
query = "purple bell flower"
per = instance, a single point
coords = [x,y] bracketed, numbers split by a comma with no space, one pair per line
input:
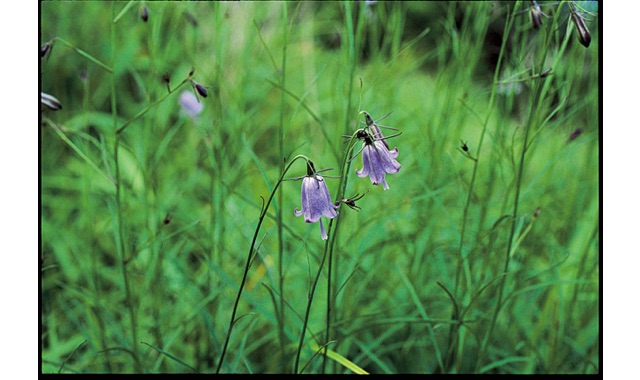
[316,201]
[190,104]
[377,161]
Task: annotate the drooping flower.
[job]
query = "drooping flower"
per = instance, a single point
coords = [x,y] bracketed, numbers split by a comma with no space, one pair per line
[581,28]
[377,161]
[190,104]
[50,101]
[316,201]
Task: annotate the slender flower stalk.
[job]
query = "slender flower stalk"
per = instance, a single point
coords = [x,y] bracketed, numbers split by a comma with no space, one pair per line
[263,213]
[328,252]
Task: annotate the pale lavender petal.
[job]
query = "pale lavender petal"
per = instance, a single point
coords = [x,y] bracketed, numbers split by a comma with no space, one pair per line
[190,104]
[377,161]
[316,202]
[323,233]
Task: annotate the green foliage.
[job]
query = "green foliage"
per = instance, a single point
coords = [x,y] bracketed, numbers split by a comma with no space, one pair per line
[477,261]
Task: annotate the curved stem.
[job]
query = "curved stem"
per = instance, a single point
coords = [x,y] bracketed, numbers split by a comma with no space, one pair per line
[263,213]
[463,263]
[328,248]
[119,218]
[537,95]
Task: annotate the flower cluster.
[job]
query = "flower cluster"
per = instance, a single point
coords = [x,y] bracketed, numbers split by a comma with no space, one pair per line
[377,161]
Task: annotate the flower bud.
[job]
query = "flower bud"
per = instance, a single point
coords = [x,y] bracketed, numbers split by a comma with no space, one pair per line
[50,101]
[45,49]
[536,213]
[574,135]
[201,90]
[535,15]
[583,32]
[144,13]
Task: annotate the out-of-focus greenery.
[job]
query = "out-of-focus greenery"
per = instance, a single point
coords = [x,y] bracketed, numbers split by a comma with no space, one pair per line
[141,274]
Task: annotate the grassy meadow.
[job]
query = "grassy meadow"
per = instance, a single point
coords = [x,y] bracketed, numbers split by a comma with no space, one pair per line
[170,175]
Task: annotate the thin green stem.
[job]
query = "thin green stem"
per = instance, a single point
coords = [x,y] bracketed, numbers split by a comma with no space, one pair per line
[537,96]
[120,233]
[354,37]
[280,311]
[263,213]
[85,54]
[152,105]
[327,249]
[454,328]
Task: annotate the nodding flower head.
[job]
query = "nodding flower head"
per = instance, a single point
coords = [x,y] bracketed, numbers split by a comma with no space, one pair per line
[377,159]
[581,28]
[190,104]
[316,201]
[50,101]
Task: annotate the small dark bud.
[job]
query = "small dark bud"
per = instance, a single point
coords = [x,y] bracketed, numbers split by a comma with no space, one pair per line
[191,18]
[167,78]
[193,70]
[536,213]
[45,49]
[583,32]
[50,102]
[362,134]
[351,202]
[535,15]
[144,13]
[545,73]
[201,90]
[167,219]
[574,135]
[465,147]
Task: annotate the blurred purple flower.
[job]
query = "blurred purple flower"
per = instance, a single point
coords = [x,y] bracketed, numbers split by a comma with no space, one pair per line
[190,104]
[377,160]
[316,202]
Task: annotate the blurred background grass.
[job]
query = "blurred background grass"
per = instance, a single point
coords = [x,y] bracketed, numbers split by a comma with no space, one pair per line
[192,187]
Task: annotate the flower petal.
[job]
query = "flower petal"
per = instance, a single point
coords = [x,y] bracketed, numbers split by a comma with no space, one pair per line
[316,200]
[323,233]
[377,161]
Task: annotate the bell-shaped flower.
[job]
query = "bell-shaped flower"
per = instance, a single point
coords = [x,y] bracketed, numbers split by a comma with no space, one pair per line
[190,104]
[377,161]
[316,201]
